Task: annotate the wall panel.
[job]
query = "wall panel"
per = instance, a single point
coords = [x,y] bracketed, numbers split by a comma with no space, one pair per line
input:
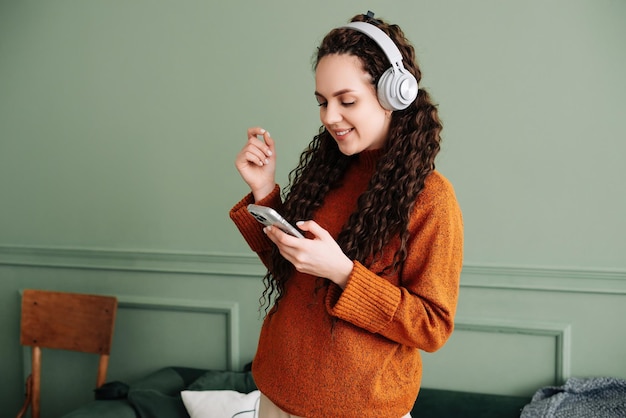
[516,328]
[206,334]
[500,356]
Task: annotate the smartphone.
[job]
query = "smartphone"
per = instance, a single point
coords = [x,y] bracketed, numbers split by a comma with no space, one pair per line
[268,216]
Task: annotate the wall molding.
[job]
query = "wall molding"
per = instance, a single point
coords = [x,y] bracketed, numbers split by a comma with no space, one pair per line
[561,332]
[473,276]
[132,260]
[229,309]
[576,280]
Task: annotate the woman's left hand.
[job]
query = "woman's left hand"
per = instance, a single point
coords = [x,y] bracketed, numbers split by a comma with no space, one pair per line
[320,256]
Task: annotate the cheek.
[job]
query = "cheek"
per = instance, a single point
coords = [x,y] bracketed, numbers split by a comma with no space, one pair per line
[379,127]
[376,120]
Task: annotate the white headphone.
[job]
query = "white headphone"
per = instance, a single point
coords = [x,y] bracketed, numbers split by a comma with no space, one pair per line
[397,88]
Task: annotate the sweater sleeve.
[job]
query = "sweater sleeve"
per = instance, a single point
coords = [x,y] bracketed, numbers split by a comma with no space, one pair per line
[417,306]
[250,228]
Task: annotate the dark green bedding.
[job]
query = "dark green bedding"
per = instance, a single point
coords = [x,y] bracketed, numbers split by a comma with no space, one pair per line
[158,396]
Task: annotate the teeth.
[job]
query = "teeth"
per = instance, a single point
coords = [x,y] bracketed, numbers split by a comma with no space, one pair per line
[343,132]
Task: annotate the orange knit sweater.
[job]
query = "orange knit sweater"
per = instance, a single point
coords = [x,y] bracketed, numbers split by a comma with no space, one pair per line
[367,362]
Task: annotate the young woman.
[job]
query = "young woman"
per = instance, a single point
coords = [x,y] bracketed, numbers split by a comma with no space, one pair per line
[376,278]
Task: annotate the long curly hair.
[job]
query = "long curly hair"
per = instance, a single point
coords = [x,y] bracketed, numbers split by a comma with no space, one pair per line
[384,209]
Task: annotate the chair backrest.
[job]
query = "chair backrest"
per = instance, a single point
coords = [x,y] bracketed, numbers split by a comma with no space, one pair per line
[66,321]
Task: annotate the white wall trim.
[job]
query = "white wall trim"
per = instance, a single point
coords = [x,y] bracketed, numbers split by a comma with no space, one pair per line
[473,276]
[561,332]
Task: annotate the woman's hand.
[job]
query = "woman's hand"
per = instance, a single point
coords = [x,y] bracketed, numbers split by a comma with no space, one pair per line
[320,256]
[256,163]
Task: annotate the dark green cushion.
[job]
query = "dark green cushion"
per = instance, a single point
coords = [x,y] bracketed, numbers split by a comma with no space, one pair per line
[149,403]
[104,409]
[158,395]
[435,403]
[222,380]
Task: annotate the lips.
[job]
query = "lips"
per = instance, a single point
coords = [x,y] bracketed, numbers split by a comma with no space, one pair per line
[343,133]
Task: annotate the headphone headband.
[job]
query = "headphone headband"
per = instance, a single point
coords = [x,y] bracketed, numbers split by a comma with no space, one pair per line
[382,39]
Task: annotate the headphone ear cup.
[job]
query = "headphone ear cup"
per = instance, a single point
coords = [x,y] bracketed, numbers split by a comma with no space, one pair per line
[397,89]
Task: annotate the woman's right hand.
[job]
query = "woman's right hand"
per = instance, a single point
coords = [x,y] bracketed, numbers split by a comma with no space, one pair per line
[256,163]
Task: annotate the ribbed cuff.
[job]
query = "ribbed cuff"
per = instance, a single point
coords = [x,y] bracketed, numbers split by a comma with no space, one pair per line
[368,301]
[250,228]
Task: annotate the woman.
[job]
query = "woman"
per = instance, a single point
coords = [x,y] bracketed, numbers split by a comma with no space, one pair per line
[376,278]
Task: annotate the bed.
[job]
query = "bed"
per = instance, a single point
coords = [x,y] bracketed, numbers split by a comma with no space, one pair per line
[180,392]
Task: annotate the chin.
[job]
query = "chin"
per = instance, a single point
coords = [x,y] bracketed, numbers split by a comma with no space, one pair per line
[348,151]
[346,148]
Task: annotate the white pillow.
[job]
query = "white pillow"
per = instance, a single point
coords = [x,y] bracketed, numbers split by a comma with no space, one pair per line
[221,403]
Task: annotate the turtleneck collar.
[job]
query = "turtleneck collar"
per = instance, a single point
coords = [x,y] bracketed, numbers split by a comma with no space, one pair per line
[367,160]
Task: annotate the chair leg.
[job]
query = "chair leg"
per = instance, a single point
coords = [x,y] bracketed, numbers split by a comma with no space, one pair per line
[29,394]
[102,370]
[36,385]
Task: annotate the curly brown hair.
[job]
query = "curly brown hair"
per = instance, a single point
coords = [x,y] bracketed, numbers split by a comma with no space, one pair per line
[384,209]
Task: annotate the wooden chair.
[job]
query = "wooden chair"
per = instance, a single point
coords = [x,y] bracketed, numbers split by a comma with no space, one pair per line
[66,321]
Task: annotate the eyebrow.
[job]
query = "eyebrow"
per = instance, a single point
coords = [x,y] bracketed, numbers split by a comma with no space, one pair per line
[338,93]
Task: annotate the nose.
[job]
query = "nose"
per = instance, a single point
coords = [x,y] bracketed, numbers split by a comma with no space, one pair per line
[330,114]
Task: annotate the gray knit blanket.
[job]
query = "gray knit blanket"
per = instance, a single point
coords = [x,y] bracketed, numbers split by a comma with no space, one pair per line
[597,397]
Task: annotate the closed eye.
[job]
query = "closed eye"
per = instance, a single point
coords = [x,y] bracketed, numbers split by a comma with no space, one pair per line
[345,104]
[322,102]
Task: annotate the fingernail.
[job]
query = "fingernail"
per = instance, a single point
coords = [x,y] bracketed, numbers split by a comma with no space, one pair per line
[268,134]
[262,131]
[269,152]
[267,161]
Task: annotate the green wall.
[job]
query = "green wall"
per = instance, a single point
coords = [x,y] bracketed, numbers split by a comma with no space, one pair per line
[119,123]
[120,120]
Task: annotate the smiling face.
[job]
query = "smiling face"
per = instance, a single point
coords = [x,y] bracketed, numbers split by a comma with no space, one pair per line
[349,108]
